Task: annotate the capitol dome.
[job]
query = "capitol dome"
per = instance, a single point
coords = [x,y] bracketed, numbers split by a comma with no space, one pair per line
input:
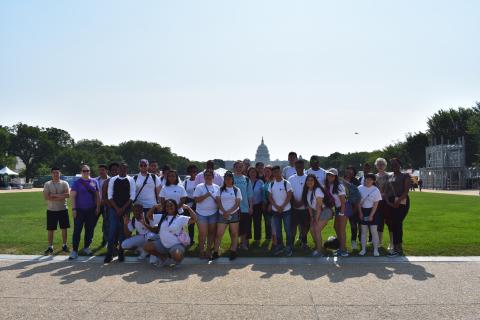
[262,154]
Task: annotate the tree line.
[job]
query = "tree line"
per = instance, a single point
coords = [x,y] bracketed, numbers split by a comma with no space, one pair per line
[40,148]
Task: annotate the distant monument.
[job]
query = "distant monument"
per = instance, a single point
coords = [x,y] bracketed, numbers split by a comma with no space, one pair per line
[262,154]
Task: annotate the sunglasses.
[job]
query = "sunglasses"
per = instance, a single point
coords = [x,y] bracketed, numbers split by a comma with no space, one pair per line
[85,170]
[143,165]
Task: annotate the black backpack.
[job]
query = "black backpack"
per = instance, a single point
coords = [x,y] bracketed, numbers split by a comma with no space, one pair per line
[144,183]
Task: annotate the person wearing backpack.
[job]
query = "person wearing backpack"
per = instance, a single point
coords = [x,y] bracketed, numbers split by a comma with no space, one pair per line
[85,209]
[189,185]
[207,211]
[337,190]
[280,195]
[246,205]
[147,186]
[137,223]
[319,205]
[121,194]
[267,209]
[300,217]
[228,198]
[171,244]
[315,169]
[383,209]
[371,196]
[353,200]
[257,199]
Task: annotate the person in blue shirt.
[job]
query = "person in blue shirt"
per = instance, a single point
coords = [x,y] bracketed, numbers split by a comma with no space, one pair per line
[257,200]
[246,205]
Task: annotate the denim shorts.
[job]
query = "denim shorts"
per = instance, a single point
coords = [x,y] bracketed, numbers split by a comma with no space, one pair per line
[162,250]
[234,218]
[211,219]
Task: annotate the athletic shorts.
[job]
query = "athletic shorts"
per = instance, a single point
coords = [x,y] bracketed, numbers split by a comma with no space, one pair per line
[211,219]
[234,218]
[55,218]
[163,250]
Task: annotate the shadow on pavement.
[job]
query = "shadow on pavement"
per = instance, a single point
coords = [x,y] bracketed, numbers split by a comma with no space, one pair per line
[143,273]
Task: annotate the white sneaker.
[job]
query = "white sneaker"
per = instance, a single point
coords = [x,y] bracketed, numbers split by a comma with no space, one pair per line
[376,253]
[315,253]
[354,245]
[142,255]
[362,252]
[87,251]
[73,255]
[153,259]
[390,246]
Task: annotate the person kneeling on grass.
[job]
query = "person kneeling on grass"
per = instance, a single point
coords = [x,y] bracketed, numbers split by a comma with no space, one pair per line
[371,196]
[172,242]
[138,223]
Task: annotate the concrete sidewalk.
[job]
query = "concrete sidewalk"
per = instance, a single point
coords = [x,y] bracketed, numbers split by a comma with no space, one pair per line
[263,288]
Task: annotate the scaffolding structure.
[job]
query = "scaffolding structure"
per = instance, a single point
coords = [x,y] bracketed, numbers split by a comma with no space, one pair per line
[445,168]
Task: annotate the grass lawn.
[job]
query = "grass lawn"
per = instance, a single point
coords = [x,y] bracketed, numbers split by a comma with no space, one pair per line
[437,224]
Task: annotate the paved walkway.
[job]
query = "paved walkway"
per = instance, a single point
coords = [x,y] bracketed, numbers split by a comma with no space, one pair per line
[261,288]
[22,190]
[473,192]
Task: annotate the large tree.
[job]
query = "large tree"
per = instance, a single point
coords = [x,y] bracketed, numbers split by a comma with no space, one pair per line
[5,158]
[31,144]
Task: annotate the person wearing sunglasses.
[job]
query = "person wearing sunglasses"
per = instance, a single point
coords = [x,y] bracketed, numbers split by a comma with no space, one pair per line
[85,209]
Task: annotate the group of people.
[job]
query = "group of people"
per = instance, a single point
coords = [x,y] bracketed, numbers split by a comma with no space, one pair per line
[150,212]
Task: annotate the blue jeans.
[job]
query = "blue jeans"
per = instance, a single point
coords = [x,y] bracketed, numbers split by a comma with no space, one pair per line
[286,218]
[87,218]
[115,230]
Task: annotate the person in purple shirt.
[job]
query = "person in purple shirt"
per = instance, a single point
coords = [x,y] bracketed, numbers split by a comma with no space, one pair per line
[85,209]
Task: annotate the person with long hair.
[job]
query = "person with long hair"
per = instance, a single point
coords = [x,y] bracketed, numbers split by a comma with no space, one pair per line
[337,190]
[352,182]
[382,210]
[313,197]
[169,246]
[397,189]
[257,199]
[228,199]
[270,233]
[207,210]
[189,185]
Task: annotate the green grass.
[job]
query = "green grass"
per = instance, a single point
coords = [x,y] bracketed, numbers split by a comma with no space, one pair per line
[437,224]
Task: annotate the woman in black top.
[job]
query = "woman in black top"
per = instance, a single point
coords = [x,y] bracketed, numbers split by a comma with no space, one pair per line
[396,191]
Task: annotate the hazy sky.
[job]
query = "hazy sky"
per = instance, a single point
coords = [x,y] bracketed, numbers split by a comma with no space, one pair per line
[209,78]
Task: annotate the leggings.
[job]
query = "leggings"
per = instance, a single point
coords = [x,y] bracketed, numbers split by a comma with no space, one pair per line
[257,222]
[396,223]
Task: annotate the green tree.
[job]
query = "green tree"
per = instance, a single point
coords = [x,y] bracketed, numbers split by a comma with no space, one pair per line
[31,144]
[5,159]
[415,148]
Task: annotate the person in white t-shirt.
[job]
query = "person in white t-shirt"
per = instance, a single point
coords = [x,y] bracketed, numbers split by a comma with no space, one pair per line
[207,213]
[148,187]
[228,201]
[280,194]
[371,196]
[337,190]
[169,246]
[173,190]
[290,170]
[217,179]
[319,215]
[315,169]
[136,223]
[300,217]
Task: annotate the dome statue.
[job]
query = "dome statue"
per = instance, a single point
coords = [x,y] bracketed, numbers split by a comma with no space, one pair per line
[262,154]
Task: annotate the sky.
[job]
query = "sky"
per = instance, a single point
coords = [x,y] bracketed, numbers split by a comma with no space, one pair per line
[210,78]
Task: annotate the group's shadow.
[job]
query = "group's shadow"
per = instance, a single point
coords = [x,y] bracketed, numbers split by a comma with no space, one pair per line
[143,273]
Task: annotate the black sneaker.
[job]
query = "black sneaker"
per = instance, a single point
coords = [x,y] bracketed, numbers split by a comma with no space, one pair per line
[65,248]
[121,256]
[214,256]
[392,254]
[108,259]
[233,255]
[49,251]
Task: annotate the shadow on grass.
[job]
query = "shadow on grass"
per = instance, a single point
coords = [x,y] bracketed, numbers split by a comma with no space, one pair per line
[144,273]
